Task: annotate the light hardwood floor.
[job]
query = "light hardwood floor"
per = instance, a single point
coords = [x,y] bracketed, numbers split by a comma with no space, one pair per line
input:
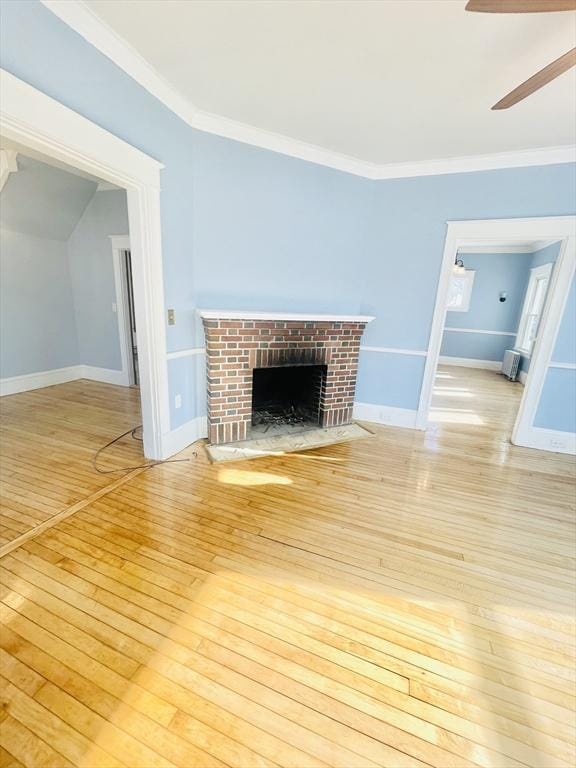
[47,440]
[401,601]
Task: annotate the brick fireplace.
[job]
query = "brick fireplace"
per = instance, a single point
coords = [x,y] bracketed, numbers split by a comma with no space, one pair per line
[240,344]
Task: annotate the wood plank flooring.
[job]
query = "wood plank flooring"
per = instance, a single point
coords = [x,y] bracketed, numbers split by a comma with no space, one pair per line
[47,440]
[403,601]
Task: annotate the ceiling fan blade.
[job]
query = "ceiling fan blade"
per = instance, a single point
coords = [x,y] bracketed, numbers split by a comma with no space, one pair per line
[520,6]
[546,75]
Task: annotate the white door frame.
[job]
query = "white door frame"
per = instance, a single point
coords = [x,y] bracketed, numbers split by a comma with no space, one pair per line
[492,231]
[34,120]
[121,243]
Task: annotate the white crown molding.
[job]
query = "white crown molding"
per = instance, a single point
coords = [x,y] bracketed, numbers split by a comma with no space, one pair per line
[498,160]
[82,20]
[86,23]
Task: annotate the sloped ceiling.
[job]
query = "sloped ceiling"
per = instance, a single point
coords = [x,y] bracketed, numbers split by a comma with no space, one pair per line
[43,201]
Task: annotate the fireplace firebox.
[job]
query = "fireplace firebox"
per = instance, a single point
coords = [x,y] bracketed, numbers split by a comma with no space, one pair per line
[287,398]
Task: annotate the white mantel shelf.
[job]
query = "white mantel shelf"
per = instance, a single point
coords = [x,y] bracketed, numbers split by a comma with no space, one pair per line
[236,314]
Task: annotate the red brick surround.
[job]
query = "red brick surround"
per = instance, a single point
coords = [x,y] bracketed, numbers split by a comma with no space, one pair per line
[235,347]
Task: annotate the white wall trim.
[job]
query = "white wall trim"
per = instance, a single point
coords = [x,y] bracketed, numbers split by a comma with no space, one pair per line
[30,118]
[527,249]
[12,385]
[105,375]
[561,228]
[87,24]
[27,382]
[470,362]
[385,414]
[478,330]
[523,377]
[395,351]
[519,159]
[183,436]
[186,353]
[567,366]
[548,440]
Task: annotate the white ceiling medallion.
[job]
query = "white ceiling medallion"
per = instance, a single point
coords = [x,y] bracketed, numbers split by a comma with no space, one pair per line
[86,23]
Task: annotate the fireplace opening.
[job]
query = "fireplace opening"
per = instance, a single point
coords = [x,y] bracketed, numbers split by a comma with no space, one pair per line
[286,398]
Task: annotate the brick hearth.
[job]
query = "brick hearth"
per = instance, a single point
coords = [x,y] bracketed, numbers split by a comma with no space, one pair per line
[238,343]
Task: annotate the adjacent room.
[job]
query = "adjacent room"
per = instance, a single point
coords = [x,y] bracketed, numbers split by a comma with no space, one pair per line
[287,383]
[68,351]
[497,296]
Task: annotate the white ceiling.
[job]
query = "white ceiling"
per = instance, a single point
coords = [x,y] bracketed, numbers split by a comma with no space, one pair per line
[383,81]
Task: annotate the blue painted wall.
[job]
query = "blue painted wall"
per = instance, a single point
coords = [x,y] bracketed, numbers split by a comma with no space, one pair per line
[58,292]
[92,275]
[247,227]
[410,223]
[494,272]
[37,329]
[557,407]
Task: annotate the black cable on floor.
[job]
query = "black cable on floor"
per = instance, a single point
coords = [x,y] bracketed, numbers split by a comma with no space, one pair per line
[131,432]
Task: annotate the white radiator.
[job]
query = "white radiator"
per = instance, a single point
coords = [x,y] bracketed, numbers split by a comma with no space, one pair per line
[510,364]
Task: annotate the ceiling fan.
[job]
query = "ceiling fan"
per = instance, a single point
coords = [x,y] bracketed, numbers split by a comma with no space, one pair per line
[550,72]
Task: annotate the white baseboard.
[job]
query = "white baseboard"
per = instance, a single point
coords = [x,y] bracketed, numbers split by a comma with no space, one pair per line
[15,384]
[385,414]
[547,440]
[471,362]
[522,376]
[105,375]
[180,438]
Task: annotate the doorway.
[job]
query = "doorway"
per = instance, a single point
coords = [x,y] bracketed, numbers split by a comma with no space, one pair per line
[488,234]
[67,137]
[495,303]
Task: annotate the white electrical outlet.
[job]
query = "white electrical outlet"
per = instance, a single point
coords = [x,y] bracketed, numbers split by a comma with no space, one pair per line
[178,401]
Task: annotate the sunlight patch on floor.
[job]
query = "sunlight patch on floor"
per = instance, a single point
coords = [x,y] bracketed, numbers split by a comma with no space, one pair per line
[249,477]
[453,392]
[455,416]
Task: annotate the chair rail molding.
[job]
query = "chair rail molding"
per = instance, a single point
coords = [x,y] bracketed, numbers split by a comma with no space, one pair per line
[478,330]
[33,119]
